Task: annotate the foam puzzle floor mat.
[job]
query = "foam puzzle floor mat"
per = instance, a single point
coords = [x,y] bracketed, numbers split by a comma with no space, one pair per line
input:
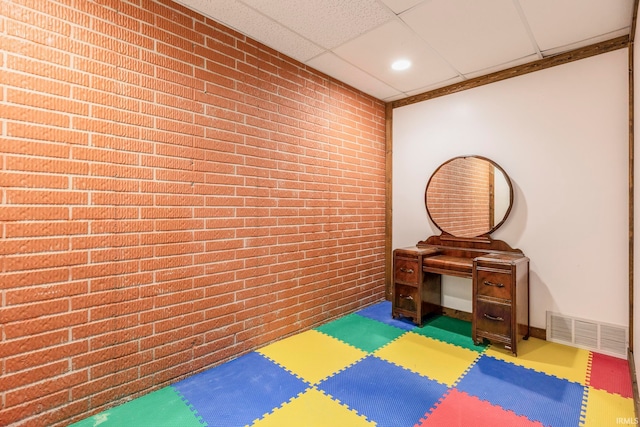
[368,369]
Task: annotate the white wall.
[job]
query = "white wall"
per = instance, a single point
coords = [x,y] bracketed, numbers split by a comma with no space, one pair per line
[562,136]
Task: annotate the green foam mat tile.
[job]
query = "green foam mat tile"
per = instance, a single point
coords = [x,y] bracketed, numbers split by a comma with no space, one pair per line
[161,408]
[450,330]
[361,332]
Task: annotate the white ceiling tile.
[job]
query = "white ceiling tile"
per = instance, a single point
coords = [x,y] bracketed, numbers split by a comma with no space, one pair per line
[399,6]
[377,49]
[472,35]
[327,23]
[557,23]
[255,25]
[331,65]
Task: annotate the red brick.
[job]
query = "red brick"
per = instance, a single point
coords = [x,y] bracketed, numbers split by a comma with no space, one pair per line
[104,184]
[45,292]
[20,416]
[105,156]
[127,386]
[39,390]
[122,144]
[173,312]
[34,197]
[117,26]
[98,299]
[103,270]
[46,356]
[50,260]
[178,297]
[32,50]
[36,164]
[32,343]
[174,16]
[30,278]
[20,246]
[31,311]
[121,281]
[39,76]
[113,366]
[40,20]
[44,324]
[122,226]
[180,321]
[174,335]
[157,33]
[48,102]
[32,148]
[122,199]
[123,376]
[100,241]
[120,336]
[121,171]
[67,412]
[101,126]
[33,375]
[104,212]
[104,354]
[124,254]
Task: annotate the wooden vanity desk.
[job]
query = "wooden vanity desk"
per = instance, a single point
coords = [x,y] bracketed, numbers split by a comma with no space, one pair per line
[499,274]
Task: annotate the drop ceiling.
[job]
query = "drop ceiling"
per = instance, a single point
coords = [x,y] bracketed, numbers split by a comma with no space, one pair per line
[447,41]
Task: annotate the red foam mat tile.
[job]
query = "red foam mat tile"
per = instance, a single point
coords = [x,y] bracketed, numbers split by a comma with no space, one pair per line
[610,374]
[458,409]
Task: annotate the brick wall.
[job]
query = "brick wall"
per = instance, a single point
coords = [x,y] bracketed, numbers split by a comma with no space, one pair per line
[172,195]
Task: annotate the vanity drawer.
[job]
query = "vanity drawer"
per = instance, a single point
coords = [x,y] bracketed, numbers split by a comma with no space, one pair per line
[406,298]
[407,270]
[496,284]
[493,318]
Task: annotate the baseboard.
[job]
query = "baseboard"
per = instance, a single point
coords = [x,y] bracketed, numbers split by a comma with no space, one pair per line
[538,333]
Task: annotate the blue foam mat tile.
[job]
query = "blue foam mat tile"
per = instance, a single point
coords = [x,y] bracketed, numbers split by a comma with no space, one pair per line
[384,393]
[539,397]
[382,313]
[240,391]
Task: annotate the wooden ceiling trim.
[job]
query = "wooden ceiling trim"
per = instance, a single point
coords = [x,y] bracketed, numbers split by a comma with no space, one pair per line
[552,61]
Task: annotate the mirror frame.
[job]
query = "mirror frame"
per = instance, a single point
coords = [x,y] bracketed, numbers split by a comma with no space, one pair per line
[495,226]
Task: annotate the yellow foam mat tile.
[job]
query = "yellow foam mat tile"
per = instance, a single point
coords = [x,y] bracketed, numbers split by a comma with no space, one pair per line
[311,355]
[551,358]
[607,409]
[434,359]
[313,409]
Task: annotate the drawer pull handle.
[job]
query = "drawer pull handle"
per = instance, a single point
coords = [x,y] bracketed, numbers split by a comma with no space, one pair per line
[497,285]
[406,270]
[490,317]
[407,297]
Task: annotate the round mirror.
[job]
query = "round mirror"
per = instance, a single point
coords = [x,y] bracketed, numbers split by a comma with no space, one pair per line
[469,196]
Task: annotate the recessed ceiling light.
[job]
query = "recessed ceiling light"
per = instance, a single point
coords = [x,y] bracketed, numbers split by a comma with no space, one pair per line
[401,64]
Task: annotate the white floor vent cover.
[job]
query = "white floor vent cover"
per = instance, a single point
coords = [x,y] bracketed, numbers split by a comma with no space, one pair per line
[588,334]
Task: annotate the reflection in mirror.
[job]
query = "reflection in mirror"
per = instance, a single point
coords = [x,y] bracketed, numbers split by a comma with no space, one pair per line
[468,196]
